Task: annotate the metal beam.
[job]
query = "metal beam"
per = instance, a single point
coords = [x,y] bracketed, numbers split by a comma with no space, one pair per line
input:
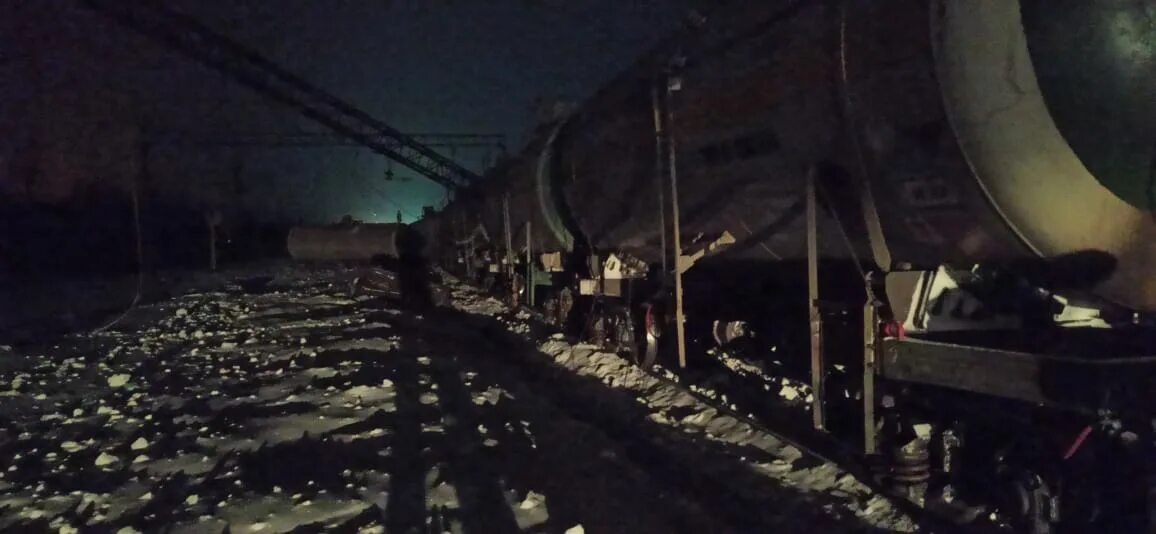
[508,268]
[1081,383]
[870,356]
[529,267]
[679,317]
[659,135]
[816,322]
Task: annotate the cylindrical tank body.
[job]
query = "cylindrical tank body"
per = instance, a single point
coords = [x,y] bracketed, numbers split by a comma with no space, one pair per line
[1003,131]
[750,115]
[516,185]
[345,242]
[940,131]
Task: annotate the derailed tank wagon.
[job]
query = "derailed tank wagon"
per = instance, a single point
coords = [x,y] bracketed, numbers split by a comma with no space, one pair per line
[946,204]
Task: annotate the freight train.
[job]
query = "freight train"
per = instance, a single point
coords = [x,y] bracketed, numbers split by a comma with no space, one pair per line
[943,208]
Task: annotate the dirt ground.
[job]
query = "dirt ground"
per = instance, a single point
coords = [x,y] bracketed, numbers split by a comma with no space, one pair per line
[285,405]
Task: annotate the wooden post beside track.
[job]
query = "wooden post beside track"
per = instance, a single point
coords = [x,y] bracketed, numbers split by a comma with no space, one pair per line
[870,355]
[508,265]
[469,252]
[679,319]
[816,320]
[659,134]
[529,269]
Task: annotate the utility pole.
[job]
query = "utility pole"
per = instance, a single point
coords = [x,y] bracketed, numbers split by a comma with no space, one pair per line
[508,268]
[816,316]
[659,133]
[529,268]
[138,181]
[673,84]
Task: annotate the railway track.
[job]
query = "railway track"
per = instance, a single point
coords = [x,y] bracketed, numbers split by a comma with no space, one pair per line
[719,492]
[739,500]
[786,425]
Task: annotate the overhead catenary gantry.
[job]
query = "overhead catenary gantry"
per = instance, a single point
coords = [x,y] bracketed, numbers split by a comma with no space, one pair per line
[317,139]
[196,40]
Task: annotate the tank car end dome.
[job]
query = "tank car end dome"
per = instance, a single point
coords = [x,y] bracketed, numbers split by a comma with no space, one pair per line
[1052,103]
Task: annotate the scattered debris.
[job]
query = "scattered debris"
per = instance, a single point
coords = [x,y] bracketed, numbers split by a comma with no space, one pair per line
[116,381]
[105,459]
[298,408]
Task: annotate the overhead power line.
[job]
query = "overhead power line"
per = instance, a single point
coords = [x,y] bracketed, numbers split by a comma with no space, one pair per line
[201,43]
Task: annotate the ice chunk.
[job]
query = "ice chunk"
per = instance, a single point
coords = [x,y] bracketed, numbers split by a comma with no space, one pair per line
[139,444]
[106,459]
[533,500]
[116,381]
[71,446]
[576,529]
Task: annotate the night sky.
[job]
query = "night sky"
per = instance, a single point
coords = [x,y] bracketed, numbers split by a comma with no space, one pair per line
[422,66]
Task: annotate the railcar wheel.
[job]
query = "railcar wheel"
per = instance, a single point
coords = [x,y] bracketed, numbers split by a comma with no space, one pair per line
[620,333]
[613,330]
[1026,488]
[727,332]
[1029,500]
[652,332]
[596,329]
[516,289]
[565,305]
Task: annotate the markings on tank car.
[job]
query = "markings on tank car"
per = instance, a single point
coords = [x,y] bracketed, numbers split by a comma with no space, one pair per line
[740,147]
[928,192]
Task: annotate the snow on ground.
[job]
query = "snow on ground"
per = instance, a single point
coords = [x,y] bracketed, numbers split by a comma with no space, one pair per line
[810,482]
[280,404]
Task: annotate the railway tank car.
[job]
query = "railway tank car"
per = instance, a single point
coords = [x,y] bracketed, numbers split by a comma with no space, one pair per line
[960,192]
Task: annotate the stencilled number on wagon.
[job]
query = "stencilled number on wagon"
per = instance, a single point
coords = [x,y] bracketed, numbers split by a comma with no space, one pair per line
[928,192]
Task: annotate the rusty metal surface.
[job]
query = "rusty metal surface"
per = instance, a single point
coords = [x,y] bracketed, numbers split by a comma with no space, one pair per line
[965,160]
[930,206]
[927,113]
[1073,382]
[344,242]
[818,366]
[753,114]
[518,179]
